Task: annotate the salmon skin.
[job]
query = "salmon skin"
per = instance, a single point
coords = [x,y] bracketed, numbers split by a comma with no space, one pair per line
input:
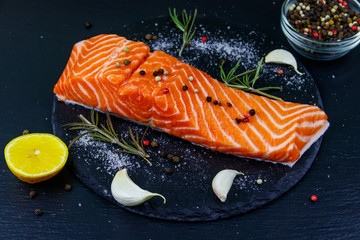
[186,102]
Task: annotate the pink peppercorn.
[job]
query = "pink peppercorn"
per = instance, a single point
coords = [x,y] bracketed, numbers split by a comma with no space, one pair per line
[166,90]
[204,39]
[354,28]
[313,198]
[334,32]
[280,71]
[245,120]
[315,34]
[247,115]
[146,142]
[344,4]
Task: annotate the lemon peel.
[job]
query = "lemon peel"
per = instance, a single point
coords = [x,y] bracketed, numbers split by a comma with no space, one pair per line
[282,56]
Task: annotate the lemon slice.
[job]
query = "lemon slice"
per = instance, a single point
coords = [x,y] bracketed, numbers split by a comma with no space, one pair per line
[36,157]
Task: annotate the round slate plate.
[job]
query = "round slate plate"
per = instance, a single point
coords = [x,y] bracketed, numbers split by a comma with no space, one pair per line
[188,189]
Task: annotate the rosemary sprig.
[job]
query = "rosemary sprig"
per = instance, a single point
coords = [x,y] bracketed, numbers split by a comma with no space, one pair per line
[107,134]
[245,81]
[185,26]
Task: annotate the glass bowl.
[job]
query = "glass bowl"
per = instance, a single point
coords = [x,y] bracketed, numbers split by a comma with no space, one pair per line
[315,49]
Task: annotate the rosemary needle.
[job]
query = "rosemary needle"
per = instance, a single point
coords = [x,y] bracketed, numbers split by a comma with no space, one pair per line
[107,134]
[185,26]
[245,81]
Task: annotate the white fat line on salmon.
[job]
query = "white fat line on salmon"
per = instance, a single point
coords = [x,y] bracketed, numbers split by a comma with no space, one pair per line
[102,86]
[95,93]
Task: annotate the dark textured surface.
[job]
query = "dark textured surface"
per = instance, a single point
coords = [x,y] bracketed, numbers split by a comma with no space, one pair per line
[36,38]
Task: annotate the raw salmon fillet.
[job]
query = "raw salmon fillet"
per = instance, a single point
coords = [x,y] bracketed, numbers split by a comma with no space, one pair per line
[96,76]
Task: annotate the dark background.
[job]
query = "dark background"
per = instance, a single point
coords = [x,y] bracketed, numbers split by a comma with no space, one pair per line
[36,38]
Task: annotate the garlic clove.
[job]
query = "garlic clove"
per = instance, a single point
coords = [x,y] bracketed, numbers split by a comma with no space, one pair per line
[282,56]
[223,181]
[127,193]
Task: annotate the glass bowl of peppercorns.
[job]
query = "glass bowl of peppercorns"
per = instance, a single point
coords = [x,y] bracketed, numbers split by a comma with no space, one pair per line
[321,29]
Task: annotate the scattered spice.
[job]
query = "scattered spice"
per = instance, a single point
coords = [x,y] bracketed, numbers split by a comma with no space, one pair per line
[117,64]
[229,104]
[142,72]
[166,73]
[161,71]
[204,39]
[313,198]
[162,154]
[67,187]
[220,103]
[328,21]
[166,90]
[185,88]
[146,142]
[216,102]
[154,144]
[259,181]
[157,78]
[191,78]
[279,71]
[148,36]
[126,49]
[238,120]
[88,25]
[196,90]
[169,170]
[169,156]
[245,120]
[155,73]
[38,212]
[247,115]
[126,62]
[252,112]
[175,159]
[25,132]
[32,194]
[154,37]
[209,99]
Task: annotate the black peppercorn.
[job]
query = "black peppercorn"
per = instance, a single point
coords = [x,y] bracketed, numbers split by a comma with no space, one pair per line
[142,72]
[161,71]
[208,99]
[252,112]
[216,102]
[238,120]
[155,73]
[185,87]
[229,104]
[126,62]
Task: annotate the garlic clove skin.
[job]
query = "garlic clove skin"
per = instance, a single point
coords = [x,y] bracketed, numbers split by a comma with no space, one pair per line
[127,193]
[282,56]
[223,181]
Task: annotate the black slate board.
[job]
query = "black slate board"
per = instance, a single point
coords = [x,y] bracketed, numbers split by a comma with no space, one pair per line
[188,190]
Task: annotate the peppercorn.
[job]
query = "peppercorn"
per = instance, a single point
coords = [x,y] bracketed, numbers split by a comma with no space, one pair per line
[154,144]
[252,112]
[279,71]
[117,64]
[126,49]
[166,73]
[208,99]
[313,198]
[220,103]
[25,132]
[238,120]
[148,36]
[157,78]
[191,78]
[229,104]
[142,72]
[185,87]
[161,71]
[126,62]
[247,115]
[146,142]
[32,194]
[169,170]
[88,25]
[169,156]
[175,159]
[162,154]
[38,212]
[166,90]
[259,181]
[216,102]
[68,187]
[204,39]
[154,37]
[155,73]
[196,90]
[245,120]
